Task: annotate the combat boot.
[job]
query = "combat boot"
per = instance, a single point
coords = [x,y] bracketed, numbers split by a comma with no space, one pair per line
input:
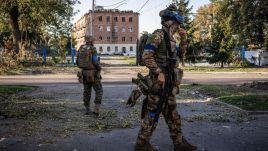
[145,147]
[96,110]
[184,146]
[87,110]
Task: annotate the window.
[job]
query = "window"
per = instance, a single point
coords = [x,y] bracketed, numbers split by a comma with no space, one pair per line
[130,29]
[123,29]
[100,28]
[124,49]
[108,38]
[100,18]
[100,38]
[115,29]
[130,48]
[108,28]
[130,39]
[116,48]
[115,19]
[108,19]
[100,49]
[115,39]
[123,38]
[130,19]
[108,48]
[123,19]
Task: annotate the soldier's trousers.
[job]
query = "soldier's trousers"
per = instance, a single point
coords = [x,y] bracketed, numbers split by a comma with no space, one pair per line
[171,116]
[97,86]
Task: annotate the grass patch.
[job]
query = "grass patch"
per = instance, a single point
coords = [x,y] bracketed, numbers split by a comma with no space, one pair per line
[226,69]
[43,70]
[130,60]
[7,90]
[244,97]
[248,102]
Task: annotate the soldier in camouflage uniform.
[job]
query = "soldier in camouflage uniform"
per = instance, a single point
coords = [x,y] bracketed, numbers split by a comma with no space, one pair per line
[91,77]
[155,57]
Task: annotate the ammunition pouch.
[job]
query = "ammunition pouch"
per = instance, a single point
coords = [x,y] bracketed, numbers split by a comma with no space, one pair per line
[178,74]
[89,75]
[80,76]
[161,61]
[98,75]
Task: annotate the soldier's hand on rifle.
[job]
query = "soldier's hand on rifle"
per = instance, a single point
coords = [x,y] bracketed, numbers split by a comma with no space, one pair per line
[161,79]
[135,94]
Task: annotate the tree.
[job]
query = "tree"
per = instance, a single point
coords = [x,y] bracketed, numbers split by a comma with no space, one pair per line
[33,21]
[223,42]
[202,22]
[4,31]
[235,23]
[203,25]
[254,18]
[193,49]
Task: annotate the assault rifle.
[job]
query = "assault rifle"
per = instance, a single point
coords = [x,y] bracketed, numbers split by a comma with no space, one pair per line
[167,90]
[143,88]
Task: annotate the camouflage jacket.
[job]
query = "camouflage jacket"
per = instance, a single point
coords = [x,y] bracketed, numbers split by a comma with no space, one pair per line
[155,51]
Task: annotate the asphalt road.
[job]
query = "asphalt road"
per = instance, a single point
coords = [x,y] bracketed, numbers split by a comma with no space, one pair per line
[124,76]
[210,126]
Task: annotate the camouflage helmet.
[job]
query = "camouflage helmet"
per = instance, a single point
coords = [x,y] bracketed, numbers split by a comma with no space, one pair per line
[89,38]
[171,13]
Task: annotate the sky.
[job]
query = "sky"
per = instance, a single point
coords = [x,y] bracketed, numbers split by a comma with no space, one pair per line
[149,19]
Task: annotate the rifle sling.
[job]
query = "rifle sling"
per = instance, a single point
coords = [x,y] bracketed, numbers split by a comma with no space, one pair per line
[166,90]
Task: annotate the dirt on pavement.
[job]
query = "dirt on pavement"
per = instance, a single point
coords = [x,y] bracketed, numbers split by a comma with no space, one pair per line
[60,123]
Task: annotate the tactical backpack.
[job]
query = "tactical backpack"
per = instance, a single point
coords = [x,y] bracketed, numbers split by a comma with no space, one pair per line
[84,58]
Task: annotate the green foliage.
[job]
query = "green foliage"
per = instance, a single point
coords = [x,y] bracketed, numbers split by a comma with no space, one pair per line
[235,23]
[253,17]
[193,52]
[56,60]
[223,42]
[194,47]
[33,22]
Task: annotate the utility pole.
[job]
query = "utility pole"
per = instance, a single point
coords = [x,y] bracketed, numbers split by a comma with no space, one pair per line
[91,18]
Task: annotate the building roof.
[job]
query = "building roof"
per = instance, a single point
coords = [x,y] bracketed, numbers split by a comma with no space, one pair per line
[112,10]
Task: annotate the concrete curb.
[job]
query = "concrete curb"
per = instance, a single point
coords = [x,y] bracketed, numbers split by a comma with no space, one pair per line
[239,109]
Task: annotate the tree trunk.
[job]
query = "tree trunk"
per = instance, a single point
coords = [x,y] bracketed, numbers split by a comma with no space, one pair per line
[14,23]
[222,64]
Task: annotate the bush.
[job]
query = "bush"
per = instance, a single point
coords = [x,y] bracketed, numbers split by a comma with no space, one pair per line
[30,59]
[241,63]
[55,60]
[8,60]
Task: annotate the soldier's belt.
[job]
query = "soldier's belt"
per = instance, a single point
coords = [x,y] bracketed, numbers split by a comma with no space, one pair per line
[163,61]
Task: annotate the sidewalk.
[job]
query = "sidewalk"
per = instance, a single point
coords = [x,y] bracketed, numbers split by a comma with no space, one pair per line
[124,75]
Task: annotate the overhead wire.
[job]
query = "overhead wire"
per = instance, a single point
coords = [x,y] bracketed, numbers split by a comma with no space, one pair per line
[143,6]
[154,7]
[112,8]
[115,3]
